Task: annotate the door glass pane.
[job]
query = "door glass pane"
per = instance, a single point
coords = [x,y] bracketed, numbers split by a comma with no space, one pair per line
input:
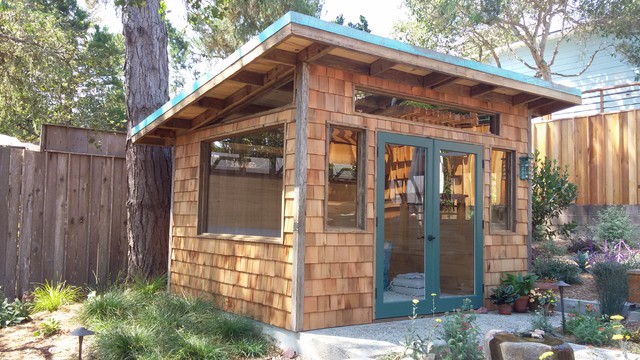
[404,177]
[457,211]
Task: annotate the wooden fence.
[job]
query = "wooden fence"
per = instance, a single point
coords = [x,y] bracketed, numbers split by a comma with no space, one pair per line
[602,153]
[62,210]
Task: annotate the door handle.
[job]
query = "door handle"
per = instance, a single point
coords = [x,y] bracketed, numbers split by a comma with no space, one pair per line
[431,237]
[420,237]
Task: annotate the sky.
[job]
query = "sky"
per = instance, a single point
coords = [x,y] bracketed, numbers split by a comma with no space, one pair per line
[379,13]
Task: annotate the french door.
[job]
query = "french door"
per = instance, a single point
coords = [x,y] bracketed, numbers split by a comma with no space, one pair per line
[429,224]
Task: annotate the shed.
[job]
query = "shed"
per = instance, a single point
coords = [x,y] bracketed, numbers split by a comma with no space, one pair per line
[324,176]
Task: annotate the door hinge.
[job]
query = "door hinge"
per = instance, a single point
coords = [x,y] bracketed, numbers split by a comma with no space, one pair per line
[376,293]
[483,165]
[376,221]
[482,225]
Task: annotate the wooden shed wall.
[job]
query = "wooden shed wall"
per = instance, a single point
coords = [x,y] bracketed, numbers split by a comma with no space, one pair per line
[602,153]
[339,266]
[249,277]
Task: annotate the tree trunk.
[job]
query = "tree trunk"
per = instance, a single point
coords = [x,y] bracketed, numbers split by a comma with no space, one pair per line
[148,167]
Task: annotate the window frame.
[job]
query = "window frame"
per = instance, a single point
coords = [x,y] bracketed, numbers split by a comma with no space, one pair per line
[511,192]
[361,180]
[203,193]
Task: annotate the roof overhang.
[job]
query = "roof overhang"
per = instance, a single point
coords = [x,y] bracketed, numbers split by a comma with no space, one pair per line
[267,62]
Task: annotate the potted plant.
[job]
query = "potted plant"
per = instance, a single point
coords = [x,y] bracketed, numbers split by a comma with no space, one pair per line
[543,299]
[522,284]
[504,296]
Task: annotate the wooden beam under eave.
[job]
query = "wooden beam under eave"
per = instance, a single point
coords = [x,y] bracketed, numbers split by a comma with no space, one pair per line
[156,141]
[523,98]
[314,52]
[344,64]
[401,76]
[436,79]
[481,89]
[249,77]
[178,123]
[540,102]
[163,133]
[281,57]
[551,108]
[381,65]
[210,103]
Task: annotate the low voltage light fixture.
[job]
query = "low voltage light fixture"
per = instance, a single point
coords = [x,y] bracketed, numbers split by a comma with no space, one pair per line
[525,167]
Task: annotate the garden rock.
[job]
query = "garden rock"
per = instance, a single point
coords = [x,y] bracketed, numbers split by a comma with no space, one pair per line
[501,345]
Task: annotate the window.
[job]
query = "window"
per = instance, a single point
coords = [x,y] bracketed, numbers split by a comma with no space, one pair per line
[345,190]
[243,184]
[502,190]
[424,112]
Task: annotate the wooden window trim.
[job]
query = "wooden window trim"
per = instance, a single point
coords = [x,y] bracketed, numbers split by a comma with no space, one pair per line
[203,188]
[512,193]
[361,196]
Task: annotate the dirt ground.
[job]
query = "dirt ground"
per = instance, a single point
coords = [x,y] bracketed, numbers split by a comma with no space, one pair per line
[584,291]
[19,342]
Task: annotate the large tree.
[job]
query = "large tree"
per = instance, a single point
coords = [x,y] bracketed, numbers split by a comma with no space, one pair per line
[478,29]
[148,167]
[57,67]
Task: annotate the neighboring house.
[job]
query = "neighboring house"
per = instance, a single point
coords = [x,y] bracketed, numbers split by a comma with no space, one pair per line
[324,176]
[608,70]
[599,141]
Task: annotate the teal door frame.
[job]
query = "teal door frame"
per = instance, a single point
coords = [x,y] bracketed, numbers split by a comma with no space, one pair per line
[431,227]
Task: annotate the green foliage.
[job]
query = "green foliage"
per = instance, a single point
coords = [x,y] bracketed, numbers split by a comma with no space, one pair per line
[589,328]
[224,25]
[460,332]
[48,327]
[552,192]
[550,248]
[611,284]
[139,320]
[582,260]
[557,269]
[613,224]
[51,296]
[362,25]
[504,294]
[13,313]
[57,68]
[540,321]
[522,284]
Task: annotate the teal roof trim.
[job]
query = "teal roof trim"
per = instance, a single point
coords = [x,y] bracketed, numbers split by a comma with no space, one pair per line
[312,22]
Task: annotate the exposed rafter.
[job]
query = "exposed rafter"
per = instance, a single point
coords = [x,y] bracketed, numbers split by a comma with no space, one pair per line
[314,52]
[481,89]
[436,80]
[523,98]
[380,66]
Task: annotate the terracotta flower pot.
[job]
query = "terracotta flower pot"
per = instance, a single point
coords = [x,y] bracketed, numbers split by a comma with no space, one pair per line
[521,305]
[504,309]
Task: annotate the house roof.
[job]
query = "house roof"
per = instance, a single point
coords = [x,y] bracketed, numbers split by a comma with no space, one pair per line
[266,64]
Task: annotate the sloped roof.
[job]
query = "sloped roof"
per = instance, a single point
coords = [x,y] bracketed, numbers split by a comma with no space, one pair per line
[266,63]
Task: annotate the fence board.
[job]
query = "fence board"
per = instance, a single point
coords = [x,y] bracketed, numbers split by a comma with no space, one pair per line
[62,204]
[103,228]
[602,153]
[49,216]
[4,211]
[15,184]
[118,245]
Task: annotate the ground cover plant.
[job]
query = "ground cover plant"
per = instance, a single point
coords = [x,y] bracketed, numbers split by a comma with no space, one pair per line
[13,313]
[51,296]
[141,320]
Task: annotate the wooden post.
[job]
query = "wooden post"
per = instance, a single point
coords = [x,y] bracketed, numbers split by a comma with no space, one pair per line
[529,193]
[173,182]
[300,196]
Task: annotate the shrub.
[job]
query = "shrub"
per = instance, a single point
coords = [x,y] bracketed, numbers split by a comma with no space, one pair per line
[557,269]
[583,243]
[539,321]
[552,192]
[611,284]
[13,313]
[589,328]
[582,260]
[614,224]
[51,297]
[48,327]
[460,332]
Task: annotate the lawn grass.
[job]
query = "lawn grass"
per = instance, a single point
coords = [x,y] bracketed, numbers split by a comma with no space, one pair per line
[143,321]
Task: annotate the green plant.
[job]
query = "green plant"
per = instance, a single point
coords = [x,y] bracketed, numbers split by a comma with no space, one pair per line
[542,297]
[416,346]
[460,332]
[582,260]
[550,248]
[539,321]
[589,328]
[13,313]
[611,284]
[503,294]
[48,327]
[51,296]
[557,269]
[522,284]
[552,192]
[614,224]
